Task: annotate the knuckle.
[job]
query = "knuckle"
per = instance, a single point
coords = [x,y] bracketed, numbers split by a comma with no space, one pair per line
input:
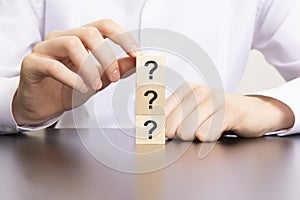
[108,26]
[201,93]
[36,47]
[200,90]
[71,42]
[52,68]
[108,21]
[27,60]
[91,32]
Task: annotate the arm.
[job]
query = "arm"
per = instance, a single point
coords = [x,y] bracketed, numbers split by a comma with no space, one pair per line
[192,110]
[58,66]
[20,24]
[277,37]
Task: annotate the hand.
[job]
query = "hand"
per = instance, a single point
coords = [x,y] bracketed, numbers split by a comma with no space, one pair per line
[60,64]
[191,109]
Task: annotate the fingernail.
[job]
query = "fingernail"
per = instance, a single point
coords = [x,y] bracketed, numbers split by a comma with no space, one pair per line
[98,83]
[84,88]
[115,75]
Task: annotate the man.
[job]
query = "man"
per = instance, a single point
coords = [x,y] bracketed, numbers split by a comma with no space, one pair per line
[39,64]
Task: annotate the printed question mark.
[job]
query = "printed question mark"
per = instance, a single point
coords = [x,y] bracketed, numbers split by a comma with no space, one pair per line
[153,98]
[155,65]
[152,129]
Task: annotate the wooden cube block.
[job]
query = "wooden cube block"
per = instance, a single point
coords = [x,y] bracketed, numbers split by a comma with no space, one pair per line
[150,69]
[150,129]
[150,100]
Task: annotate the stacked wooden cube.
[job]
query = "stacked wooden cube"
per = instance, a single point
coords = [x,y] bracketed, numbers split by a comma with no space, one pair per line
[150,100]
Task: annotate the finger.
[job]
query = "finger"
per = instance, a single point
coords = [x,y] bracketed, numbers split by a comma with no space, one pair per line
[188,127]
[44,67]
[89,35]
[126,64]
[109,29]
[202,131]
[106,57]
[206,133]
[94,41]
[188,104]
[175,99]
[72,47]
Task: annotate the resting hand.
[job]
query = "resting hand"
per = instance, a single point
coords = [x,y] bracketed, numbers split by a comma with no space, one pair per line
[191,110]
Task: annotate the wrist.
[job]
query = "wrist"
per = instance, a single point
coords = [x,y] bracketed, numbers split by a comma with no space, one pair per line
[254,116]
[280,116]
[22,114]
[16,109]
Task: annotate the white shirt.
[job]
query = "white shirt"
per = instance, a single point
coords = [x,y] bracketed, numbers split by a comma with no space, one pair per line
[226,29]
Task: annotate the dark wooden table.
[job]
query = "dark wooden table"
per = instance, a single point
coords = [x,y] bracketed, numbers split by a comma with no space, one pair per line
[62,164]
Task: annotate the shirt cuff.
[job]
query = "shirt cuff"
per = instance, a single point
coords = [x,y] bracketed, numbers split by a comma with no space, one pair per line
[287,94]
[7,122]
[44,125]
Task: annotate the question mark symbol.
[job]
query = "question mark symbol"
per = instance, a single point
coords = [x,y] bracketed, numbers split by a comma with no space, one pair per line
[155,65]
[153,98]
[152,129]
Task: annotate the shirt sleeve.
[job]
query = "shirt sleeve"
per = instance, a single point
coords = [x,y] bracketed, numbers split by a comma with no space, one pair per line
[7,122]
[278,37]
[21,26]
